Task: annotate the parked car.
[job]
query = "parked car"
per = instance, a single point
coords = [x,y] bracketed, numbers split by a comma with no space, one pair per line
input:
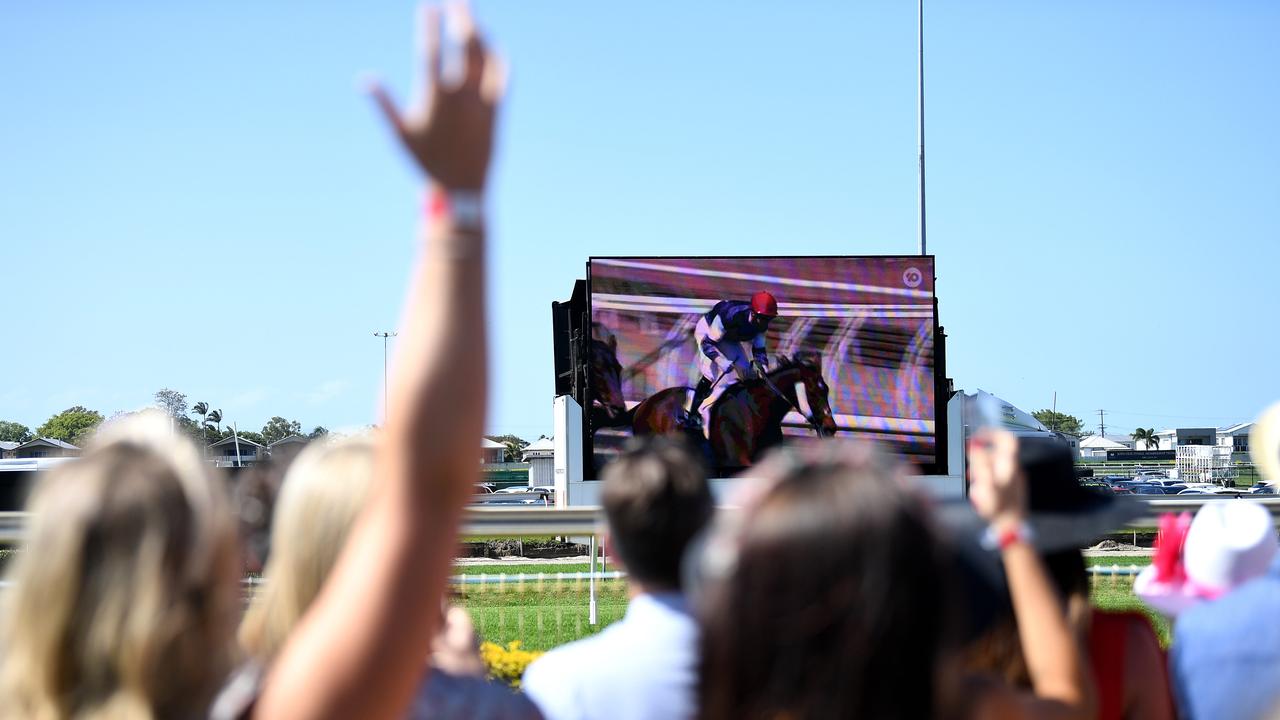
[524,499]
[1263,489]
[484,488]
[513,490]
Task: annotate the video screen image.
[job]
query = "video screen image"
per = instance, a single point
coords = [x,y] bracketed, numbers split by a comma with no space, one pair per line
[740,354]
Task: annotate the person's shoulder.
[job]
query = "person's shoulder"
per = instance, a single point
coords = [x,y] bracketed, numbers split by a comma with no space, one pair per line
[1257,599]
[571,660]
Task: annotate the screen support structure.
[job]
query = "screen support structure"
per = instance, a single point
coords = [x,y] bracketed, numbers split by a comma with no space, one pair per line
[567,437]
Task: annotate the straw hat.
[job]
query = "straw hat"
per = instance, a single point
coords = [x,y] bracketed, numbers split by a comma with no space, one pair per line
[1264,444]
[1227,544]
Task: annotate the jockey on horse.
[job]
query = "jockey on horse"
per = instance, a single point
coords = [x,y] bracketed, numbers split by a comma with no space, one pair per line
[721,333]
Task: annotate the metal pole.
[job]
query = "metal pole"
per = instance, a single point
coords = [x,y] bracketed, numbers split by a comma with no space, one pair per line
[591,583]
[235,433]
[385,336]
[920,113]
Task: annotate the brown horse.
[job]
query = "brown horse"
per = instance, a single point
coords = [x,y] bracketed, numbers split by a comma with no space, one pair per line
[608,407]
[747,419]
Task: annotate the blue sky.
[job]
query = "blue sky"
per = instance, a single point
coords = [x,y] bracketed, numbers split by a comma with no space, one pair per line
[198,197]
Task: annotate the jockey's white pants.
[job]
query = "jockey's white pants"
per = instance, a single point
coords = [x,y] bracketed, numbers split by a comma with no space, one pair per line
[734,352]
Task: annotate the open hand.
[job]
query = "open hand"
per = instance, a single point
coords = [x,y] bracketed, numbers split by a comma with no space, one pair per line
[997,485]
[455,648]
[451,135]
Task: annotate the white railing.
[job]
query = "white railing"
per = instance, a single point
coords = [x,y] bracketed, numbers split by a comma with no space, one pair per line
[585,521]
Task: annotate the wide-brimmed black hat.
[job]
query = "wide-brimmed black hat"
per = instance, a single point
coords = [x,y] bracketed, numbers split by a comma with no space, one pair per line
[1063,514]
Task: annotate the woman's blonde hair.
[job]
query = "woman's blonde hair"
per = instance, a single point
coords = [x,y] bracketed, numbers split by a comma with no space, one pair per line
[125,591]
[323,493]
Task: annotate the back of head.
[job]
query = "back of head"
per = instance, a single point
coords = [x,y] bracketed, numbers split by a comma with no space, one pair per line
[830,593]
[322,495]
[656,499]
[125,592]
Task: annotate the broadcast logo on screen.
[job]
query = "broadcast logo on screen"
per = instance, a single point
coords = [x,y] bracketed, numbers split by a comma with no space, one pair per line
[911,277]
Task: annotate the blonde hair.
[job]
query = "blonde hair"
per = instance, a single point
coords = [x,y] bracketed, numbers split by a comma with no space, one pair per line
[125,591]
[323,493]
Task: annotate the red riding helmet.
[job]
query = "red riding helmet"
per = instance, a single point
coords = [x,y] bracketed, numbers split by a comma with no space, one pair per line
[762,303]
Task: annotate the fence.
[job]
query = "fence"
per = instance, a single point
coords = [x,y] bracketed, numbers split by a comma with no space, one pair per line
[568,600]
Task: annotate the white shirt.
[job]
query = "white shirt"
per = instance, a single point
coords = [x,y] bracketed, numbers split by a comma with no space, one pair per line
[643,666]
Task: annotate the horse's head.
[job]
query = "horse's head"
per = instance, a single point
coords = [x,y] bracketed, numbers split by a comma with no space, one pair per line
[802,377]
[606,376]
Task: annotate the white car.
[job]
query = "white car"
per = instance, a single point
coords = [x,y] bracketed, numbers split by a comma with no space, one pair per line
[514,490]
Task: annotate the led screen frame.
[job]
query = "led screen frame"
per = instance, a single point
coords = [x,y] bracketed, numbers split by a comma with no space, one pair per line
[800,299]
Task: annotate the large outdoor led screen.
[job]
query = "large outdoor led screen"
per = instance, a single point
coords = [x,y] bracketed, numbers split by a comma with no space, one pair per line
[848,350]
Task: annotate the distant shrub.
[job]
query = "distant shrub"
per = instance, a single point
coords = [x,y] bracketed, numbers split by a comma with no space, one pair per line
[507,664]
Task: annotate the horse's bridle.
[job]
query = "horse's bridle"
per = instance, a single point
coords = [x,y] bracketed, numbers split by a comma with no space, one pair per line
[816,428]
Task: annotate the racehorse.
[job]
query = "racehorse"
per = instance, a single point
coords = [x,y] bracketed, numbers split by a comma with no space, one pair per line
[608,407]
[747,419]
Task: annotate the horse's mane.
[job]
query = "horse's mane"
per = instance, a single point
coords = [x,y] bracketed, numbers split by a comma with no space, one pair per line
[800,359]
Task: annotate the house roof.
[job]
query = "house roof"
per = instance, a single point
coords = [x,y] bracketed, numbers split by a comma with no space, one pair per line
[230,440]
[8,444]
[295,438]
[487,444]
[1237,429]
[1101,443]
[541,444]
[50,442]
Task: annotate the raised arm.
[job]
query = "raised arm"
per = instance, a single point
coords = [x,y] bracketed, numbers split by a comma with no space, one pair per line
[1055,661]
[361,651]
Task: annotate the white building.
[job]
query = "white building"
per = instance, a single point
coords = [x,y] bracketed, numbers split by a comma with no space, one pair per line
[232,452]
[492,452]
[1096,446]
[1236,436]
[541,456]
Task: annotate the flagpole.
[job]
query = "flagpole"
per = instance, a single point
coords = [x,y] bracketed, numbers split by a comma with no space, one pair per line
[920,112]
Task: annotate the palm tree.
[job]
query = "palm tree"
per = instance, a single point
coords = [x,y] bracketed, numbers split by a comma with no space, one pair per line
[201,409]
[1146,436]
[215,417]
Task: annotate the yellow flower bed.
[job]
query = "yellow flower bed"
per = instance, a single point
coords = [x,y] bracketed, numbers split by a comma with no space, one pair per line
[507,664]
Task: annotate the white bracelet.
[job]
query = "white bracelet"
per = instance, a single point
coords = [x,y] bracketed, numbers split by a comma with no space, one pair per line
[999,540]
[466,209]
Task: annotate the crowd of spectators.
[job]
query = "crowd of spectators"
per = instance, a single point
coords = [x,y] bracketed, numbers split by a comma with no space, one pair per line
[827,586]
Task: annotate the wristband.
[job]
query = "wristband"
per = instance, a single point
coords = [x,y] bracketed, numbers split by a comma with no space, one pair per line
[464,207]
[994,539]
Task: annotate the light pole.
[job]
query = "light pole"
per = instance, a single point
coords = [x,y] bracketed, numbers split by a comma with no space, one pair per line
[385,336]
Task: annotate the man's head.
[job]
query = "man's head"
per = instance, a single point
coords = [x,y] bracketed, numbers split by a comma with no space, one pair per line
[656,498]
[764,308]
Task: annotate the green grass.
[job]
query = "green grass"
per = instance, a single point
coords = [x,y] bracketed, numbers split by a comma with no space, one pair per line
[541,615]
[1117,594]
[493,538]
[527,569]
[1122,560]
[545,614]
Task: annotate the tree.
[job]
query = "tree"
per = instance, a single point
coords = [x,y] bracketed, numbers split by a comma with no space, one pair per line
[277,428]
[215,417]
[172,402]
[201,409]
[245,435]
[1147,436]
[1060,422]
[319,431]
[14,432]
[515,445]
[71,425]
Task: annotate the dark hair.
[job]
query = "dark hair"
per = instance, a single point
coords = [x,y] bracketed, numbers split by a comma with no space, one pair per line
[656,499]
[834,604]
